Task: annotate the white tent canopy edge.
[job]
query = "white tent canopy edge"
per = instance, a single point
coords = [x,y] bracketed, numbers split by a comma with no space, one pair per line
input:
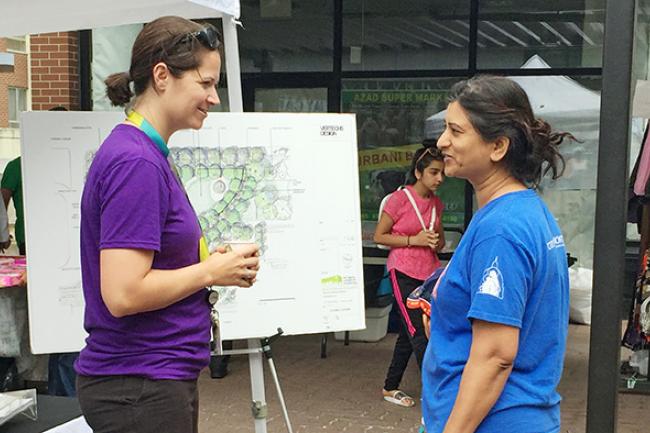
[43,16]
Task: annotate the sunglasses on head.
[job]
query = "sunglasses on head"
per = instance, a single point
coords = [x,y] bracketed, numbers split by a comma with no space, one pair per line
[427,150]
[208,36]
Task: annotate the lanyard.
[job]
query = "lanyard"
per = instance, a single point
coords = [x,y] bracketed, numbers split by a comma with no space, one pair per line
[146,127]
[138,120]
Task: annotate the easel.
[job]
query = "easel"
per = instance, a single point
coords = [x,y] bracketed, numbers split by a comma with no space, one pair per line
[257,349]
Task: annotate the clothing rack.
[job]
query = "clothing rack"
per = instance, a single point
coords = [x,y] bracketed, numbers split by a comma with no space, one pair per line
[633,382]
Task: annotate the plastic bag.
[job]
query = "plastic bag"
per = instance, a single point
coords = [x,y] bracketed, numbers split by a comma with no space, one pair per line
[580,281]
[16,403]
[639,360]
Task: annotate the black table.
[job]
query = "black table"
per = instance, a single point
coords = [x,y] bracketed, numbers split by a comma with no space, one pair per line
[52,411]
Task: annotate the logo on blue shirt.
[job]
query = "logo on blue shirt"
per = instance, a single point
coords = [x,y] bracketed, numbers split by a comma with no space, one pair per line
[556,242]
[492,283]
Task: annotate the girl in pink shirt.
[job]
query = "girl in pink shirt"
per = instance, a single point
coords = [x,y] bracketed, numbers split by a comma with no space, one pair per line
[414,238]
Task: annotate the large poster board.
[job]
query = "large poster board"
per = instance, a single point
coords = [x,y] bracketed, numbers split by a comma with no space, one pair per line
[287,181]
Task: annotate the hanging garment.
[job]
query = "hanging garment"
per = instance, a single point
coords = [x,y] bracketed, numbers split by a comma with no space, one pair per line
[637,332]
[639,189]
[643,173]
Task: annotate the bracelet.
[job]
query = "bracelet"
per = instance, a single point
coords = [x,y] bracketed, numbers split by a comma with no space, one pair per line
[408,241]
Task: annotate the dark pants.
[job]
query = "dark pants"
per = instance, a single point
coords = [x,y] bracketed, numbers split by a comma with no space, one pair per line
[219,363]
[8,375]
[131,404]
[22,250]
[406,344]
[61,376]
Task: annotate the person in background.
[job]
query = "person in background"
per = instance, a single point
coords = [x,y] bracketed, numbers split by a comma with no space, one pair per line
[499,314]
[414,237]
[145,264]
[7,364]
[5,238]
[12,188]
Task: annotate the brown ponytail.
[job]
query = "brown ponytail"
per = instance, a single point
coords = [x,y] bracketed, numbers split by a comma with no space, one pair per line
[166,40]
[117,88]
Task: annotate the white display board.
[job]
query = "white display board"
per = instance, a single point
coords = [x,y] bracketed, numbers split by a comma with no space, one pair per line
[286,181]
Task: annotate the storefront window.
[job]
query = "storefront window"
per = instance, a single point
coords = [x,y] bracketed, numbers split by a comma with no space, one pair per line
[642,41]
[286,36]
[408,34]
[306,100]
[566,33]
[391,117]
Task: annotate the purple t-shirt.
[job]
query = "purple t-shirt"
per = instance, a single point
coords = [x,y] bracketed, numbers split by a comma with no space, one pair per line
[132,200]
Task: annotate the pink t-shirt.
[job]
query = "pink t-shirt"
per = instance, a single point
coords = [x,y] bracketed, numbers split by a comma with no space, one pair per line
[416,262]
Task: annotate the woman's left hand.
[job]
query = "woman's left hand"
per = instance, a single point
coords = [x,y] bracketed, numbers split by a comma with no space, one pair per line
[432,239]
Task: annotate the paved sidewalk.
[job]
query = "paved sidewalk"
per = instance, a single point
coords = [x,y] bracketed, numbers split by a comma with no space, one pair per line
[342,393]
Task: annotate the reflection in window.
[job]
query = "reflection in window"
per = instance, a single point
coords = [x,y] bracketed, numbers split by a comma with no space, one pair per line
[286,35]
[565,34]
[291,100]
[642,41]
[407,34]
[391,118]
[392,112]
[17,104]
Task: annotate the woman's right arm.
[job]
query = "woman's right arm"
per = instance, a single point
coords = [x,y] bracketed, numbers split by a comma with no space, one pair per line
[383,234]
[129,285]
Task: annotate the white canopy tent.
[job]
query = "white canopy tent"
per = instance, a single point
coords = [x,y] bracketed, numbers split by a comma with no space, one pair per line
[21,17]
[567,106]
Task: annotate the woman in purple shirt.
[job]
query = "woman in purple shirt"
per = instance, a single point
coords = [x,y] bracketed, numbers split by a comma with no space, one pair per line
[144,261]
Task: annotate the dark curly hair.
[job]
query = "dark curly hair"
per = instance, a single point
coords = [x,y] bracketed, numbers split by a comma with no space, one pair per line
[499,107]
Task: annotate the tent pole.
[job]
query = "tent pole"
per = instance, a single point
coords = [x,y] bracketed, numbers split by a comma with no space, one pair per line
[233,71]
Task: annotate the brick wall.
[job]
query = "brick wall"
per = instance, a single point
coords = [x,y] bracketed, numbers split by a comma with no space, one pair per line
[55,70]
[15,76]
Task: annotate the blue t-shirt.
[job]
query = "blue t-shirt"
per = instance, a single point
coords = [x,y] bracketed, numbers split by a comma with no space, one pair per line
[510,268]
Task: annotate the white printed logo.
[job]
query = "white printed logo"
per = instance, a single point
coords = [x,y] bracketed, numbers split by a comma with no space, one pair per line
[492,283]
[556,242]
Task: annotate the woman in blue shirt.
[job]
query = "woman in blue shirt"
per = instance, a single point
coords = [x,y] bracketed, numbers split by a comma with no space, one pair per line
[499,314]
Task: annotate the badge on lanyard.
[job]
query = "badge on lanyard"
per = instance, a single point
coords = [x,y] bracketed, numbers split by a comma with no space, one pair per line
[204,251]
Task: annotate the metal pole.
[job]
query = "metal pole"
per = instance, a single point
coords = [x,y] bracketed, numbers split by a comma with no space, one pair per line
[233,71]
[283,405]
[609,245]
[257,384]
